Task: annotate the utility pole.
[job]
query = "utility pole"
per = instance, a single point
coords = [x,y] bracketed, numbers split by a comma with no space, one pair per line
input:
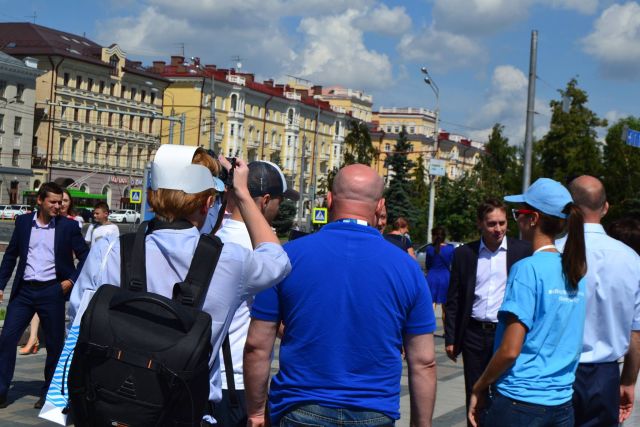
[183,118]
[302,168]
[212,116]
[171,127]
[531,97]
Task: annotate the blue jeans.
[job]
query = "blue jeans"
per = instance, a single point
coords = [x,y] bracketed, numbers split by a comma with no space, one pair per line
[321,416]
[506,412]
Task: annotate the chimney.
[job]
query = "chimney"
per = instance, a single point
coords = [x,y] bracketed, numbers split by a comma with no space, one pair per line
[158,66]
[177,60]
[316,90]
[268,82]
[212,67]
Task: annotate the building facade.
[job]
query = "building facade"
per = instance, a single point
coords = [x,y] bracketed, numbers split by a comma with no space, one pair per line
[97,115]
[255,121]
[460,154]
[17,102]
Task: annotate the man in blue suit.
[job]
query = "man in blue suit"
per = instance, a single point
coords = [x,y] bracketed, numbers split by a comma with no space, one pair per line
[43,245]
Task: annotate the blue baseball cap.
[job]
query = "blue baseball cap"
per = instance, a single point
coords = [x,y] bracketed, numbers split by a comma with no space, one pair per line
[546,195]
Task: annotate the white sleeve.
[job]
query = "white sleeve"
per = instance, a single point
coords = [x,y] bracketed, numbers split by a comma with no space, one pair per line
[266,266]
[87,237]
[92,277]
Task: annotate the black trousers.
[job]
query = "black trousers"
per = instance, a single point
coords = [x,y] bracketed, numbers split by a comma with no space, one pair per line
[477,350]
[229,415]
[596,395]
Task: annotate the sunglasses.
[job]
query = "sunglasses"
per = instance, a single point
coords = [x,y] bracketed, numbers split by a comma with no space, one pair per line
[517,212]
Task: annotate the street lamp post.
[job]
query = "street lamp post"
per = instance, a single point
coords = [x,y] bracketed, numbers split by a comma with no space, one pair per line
[432,179]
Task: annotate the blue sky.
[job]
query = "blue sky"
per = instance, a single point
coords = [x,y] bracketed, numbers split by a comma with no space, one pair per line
[476,50]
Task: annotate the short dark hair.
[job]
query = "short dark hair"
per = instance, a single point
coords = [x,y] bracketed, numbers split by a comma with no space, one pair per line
[49,187]
[102,205]
[488,206]
[400,222]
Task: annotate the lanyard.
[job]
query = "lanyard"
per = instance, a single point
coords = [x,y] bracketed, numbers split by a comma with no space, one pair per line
[354,221]
[544,247]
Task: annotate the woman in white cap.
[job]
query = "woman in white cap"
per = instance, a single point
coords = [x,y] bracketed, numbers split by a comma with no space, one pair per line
[539,335]
[181,194]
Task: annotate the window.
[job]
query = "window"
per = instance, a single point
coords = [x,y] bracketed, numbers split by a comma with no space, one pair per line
[87,116]
[85,151]
[133,93]
[74,149]
[150,125]
[110,120]
[121,121]
[76,113]
[387,147]
[61,149]
[63,112]
[231,130]
[113,63]
[19,92]
[140,124]
[388,128]
[131,122]
[15,158]
[123,89]
[17,126]
[234,102]
[96,153]
[396,129]
[66,79]
[112,89]
[412,130]
[153,98]
[1,122]
[99,118]
[3,88]
[78,82]
[101,86]
[143,96]
[90,84]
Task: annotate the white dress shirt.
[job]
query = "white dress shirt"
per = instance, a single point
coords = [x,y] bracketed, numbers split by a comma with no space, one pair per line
[240,273]
[613,296]
[491,280]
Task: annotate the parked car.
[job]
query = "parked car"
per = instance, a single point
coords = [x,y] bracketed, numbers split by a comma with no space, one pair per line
[421,252]
[12,211]
[124,215]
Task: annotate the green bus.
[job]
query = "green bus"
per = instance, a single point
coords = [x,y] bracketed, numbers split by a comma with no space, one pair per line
[81,200]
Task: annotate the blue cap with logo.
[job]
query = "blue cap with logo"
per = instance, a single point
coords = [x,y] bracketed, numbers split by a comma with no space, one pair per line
[546,195]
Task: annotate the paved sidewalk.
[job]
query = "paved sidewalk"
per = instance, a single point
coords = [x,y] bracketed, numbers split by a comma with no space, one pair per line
[449,410]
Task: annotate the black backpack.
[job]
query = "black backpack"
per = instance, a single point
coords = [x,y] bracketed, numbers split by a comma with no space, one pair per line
[143,359]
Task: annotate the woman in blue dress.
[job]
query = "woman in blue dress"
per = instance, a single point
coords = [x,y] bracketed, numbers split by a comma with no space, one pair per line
[438,258]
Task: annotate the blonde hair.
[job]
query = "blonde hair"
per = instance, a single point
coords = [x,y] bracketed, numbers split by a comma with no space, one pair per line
[170,205]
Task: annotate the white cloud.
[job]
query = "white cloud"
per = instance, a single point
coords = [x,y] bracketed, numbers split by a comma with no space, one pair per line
[334,52]
[507,104]
[441,50]
[393,22]
[614,41]
[478,16]
[586,7]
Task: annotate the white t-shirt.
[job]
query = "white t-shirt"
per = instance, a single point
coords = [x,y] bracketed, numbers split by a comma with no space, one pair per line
[233,231]
[96,232]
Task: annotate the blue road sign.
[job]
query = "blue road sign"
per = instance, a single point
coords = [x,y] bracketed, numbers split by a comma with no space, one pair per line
[319,215]
[136,196]
[633,138]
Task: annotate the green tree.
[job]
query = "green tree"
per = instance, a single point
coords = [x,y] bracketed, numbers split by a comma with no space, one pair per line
[570,147]
[498,168]
[419,196]
[621,164]
[456,206]
[358,145]
[397,195]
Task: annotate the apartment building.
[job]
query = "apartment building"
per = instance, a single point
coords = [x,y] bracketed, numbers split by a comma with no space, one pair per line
[234,114]
[17,100]
[97,114]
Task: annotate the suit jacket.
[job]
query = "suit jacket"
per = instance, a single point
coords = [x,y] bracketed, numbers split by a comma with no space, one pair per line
[67,242]
[462,286]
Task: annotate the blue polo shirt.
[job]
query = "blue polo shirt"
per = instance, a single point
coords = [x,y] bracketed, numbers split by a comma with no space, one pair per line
[350,298]
[538,295]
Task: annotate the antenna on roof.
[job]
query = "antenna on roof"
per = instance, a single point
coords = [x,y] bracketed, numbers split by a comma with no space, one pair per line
[34,16]
[181,47]
[238,61]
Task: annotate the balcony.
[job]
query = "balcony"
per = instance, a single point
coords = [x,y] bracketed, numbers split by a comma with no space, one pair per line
[293,95]
[337,109]
[236,80]
[293,126]
[38,162]
[253,143]
[235,114]
[105,131]
[107,99]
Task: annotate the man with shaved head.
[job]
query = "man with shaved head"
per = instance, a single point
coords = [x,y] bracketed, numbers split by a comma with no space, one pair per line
[612,328]
[350,304]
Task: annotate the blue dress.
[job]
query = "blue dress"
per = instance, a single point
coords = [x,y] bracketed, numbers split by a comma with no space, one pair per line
[438,271]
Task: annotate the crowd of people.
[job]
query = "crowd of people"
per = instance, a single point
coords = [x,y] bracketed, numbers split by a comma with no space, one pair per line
[541,323]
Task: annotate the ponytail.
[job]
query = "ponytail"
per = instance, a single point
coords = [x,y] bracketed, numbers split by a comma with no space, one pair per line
[439,234]
[574,257]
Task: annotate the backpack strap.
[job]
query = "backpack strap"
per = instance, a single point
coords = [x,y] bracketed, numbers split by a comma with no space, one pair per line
[228,371]
[193,290]
[133,269]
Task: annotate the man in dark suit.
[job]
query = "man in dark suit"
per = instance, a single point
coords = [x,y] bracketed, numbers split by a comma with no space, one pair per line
[476,289]
[43,245]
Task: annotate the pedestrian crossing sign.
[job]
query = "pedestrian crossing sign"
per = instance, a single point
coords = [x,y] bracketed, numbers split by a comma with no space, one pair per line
[319,216]
[135,197]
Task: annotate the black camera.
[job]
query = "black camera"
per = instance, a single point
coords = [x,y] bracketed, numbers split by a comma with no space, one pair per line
[226,176]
